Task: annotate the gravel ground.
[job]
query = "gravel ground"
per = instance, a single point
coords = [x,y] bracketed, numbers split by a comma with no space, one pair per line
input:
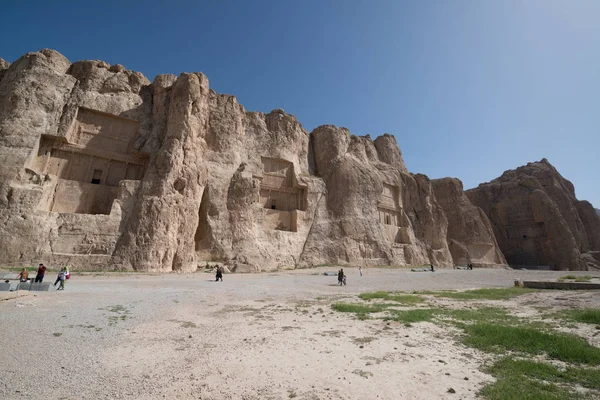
[258,336]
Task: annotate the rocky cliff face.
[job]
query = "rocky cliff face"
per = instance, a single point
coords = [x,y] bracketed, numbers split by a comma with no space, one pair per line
[102,169]
[471,238]
[597,211]
[538,220]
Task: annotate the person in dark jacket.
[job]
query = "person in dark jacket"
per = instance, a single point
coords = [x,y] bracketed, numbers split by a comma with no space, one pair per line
[40,273]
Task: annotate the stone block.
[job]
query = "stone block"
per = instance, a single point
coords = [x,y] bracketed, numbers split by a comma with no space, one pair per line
[40,287]
[561,285]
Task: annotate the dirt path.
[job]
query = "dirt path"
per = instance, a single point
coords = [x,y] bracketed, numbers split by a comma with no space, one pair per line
[267,336]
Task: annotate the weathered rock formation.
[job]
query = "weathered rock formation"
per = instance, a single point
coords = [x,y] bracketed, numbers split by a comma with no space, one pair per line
[597,211]
[538,220]
[471,239]
[101,168]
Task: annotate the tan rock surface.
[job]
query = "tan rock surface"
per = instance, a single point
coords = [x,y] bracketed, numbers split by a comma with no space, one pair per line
[538,220]
[471,238]
[3,67]
[103,169]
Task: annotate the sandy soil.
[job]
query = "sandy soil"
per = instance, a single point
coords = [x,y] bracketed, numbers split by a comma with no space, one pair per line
[262,336]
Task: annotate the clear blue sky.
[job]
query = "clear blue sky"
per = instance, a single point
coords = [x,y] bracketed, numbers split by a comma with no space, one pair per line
[469,88]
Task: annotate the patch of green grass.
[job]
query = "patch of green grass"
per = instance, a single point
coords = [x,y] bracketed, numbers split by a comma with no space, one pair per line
[524,379]
[479,315]
[485,294]
[567,277]
[358,308]
[584,278]
[559,346]
[411,316]
[397,297]
[517,388]
[586,377]
[586,316]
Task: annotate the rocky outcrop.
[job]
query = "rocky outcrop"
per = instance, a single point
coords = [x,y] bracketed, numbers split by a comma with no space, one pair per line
[373,211]
[3,67]
[470,236]
[537,219]
[597,211]
[103,169]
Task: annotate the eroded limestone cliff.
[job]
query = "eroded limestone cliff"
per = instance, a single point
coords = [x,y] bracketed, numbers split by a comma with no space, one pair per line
[538,220]
[102,169]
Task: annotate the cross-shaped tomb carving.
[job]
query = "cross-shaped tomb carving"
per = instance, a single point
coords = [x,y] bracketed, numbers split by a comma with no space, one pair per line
[391,215]
[281,194]
[90,162]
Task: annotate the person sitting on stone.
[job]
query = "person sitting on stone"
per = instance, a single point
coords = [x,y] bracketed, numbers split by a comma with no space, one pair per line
[23,275]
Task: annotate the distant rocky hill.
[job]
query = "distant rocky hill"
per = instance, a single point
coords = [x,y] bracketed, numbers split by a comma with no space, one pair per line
[103,169]
[537,219]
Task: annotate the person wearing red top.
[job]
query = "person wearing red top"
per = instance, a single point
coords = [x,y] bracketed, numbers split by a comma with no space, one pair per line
[40,273]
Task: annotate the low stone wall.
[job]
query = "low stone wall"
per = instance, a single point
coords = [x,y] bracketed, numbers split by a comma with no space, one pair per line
[561,285]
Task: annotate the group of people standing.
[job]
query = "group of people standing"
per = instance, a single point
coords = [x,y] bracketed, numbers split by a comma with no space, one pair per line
[63,275]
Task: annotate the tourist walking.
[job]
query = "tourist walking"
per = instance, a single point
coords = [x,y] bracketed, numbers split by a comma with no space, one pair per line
[40,273]
[341,277]
[360,270]
[219,274]
[62,275]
